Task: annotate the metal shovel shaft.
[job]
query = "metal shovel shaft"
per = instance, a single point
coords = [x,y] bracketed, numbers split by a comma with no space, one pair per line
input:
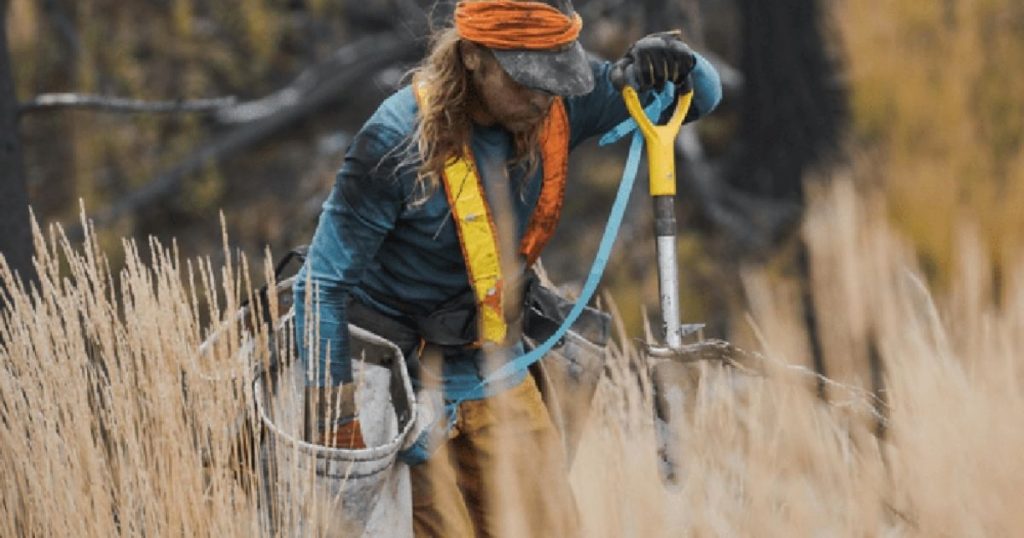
[668,269]
[661,160]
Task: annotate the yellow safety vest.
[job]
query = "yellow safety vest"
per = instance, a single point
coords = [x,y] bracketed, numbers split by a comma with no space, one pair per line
[475,225]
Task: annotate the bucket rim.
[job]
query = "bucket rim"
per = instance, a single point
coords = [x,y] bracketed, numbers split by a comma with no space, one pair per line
[391,448]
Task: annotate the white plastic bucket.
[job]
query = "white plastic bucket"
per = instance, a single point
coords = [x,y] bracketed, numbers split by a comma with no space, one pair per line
[311,490]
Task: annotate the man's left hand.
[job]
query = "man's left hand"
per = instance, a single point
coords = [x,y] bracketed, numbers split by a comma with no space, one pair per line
[654,60]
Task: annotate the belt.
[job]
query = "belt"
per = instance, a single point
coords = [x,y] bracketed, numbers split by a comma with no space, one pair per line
[453,324]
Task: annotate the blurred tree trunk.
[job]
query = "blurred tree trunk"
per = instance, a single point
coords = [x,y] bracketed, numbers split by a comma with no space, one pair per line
[15,233]
[793,105]
[791,111]
[792,119]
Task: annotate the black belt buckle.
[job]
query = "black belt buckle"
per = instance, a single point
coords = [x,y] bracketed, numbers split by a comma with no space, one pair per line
[449,328]
[546,310]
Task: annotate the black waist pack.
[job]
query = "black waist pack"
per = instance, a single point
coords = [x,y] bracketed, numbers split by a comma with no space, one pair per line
[454,323]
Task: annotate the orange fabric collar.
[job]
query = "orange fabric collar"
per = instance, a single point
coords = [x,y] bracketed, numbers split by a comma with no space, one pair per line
[508,24]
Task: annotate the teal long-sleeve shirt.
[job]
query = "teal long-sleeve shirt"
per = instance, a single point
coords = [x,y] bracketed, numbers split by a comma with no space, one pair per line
[375,245]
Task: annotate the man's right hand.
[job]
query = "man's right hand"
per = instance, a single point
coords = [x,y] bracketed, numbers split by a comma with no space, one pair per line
[330,417]
[348,435]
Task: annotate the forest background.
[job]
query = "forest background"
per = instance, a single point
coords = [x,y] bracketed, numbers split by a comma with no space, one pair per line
[854,205]
[915,100]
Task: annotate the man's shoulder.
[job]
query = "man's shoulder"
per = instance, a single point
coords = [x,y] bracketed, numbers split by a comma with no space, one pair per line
[397,113]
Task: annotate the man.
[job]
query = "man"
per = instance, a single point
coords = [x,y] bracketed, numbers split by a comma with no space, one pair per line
[447,194]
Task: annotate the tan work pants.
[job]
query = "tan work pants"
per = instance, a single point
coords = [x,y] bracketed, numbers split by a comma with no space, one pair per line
[502,473]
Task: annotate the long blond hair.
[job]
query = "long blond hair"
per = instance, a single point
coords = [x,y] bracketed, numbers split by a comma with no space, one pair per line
[444,127]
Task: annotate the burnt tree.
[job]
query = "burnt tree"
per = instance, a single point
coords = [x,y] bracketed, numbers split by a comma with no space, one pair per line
[792,117]
[793,104]
[790,111]
[15,231]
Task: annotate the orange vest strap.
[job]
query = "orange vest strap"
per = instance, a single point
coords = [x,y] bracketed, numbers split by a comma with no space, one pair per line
[555,152]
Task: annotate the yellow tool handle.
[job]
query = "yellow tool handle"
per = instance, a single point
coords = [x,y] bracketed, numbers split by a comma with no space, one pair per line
[661,155]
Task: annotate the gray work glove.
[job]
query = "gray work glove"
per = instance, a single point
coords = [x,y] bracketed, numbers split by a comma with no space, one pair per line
[654,60]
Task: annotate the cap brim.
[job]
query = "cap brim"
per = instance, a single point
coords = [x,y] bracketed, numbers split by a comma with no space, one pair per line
[563,72]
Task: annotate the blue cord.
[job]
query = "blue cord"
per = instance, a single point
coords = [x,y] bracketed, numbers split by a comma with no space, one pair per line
[419,452]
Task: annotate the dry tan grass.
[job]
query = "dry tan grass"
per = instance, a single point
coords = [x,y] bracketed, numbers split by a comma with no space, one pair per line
[110,426]
[110,423]
[765,457]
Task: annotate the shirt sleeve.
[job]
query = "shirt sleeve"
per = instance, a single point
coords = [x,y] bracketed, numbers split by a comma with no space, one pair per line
[602,109]
[362,208]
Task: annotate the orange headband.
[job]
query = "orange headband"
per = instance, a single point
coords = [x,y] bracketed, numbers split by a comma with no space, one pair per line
[508,24]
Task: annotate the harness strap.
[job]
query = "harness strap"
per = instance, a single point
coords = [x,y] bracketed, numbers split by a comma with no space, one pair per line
[475,224]
[479,242]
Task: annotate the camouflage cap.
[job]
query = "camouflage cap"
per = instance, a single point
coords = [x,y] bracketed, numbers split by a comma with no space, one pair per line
[563,71]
